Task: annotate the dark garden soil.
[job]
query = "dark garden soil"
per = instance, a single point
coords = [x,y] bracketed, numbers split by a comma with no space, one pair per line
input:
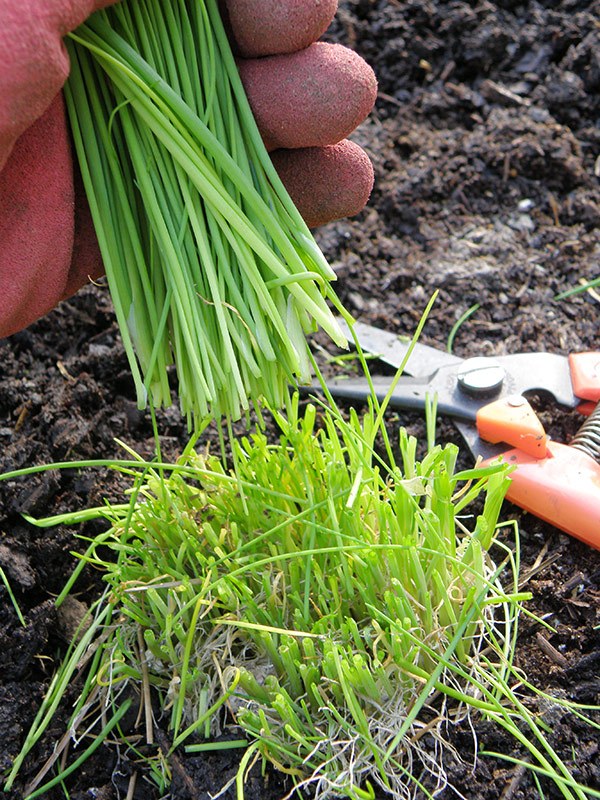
[486,147]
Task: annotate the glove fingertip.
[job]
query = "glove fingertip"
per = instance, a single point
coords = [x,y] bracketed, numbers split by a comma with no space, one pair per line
[309,99]
[326,183]
[271,27]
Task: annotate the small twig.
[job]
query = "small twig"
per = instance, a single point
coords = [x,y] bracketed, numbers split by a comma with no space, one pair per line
[131,787]
[551,651]
[540,563]
[389,98]
[59,754]
[23,414]
[506,168]
[515,782]
[175,763]
[65,373]
[552,201]
[447,71]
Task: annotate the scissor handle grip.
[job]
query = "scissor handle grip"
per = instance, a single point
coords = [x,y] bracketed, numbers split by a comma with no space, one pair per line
[563,489]
[513,421]
[585,375]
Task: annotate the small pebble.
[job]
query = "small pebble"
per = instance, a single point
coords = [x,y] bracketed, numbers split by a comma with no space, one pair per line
[522,223]
[526,205]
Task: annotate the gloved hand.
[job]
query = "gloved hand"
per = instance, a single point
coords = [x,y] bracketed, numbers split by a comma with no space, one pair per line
[306,96]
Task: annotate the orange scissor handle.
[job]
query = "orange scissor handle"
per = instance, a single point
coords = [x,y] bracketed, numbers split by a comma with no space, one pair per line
[512,420]
[585,375]
[563,489]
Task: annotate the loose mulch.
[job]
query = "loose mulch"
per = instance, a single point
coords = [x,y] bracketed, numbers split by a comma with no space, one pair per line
[486,146]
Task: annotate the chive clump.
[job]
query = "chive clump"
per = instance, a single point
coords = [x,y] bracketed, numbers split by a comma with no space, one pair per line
[209,263]
[319,599]
[336,609]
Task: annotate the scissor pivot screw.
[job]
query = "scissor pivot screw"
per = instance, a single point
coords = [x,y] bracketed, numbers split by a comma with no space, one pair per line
[481,376]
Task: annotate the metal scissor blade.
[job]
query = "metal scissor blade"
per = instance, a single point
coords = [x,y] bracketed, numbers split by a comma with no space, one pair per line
[409,393]
[477,446]
[392,349]
[412,394]
[525,372]
[540,372]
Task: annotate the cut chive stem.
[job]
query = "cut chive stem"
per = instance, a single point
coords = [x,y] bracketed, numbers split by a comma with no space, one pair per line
[209,263]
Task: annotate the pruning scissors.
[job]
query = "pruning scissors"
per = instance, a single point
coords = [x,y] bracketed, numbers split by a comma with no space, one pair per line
[485,397]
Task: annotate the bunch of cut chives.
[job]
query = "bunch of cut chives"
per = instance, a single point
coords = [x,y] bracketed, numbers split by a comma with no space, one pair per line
[210,265]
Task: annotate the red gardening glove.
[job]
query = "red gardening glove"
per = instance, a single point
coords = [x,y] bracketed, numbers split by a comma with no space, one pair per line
[307,97]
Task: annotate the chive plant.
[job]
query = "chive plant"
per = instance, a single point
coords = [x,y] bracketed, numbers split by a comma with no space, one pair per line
[210,265]
[331,597]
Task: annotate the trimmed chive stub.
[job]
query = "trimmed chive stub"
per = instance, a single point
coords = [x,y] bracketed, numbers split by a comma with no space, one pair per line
[215,278]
